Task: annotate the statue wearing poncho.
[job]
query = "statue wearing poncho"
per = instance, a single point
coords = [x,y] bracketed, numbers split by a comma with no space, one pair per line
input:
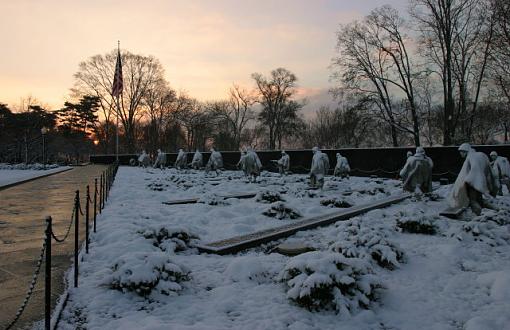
[475,179]
[160,160]
[342,167]
[143,159]
[417,172]
[215,162]
[182,160]
[283,163]
[240,163]
[318,169]
[501,168]
[197,161]
[252,164]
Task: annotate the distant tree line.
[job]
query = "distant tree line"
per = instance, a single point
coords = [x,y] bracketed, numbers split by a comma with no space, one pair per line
[439,75]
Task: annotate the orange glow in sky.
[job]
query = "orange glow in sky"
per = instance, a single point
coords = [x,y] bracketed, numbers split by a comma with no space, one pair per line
[203,45]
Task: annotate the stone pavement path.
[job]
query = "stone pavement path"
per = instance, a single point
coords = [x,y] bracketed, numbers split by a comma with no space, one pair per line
[23,209]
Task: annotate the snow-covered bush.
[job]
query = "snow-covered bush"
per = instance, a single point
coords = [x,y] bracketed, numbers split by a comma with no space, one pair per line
[170,239]
[146,273]
[304,193]
[369,243]
[23,166]
[157,186]
[268,197]
[280,211]
[492,228]
[328,280]
[421,224]
[336,202]
[213,199]
[373,190]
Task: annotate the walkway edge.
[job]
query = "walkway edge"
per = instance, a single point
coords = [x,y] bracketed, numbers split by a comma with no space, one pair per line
[264,236]
[17,183]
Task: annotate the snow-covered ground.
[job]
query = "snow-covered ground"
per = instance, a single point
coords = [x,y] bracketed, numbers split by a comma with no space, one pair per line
[10,174]
[138,276]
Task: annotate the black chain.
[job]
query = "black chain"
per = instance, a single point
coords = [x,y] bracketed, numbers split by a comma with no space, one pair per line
[30,288]
[79,208]
[60,240]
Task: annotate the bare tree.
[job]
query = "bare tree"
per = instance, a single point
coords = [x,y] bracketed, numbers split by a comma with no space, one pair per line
[375,60]
[456,37]
[140,73]
[234,114]
[159,101]
[500,56]
[274,94]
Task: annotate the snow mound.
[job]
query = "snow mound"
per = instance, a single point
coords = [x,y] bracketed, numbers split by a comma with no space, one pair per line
[280,211]
[369,243]
[247,268]
[173,239]
[268,197]
[329,281]
[157,186]
[143,273]
[337,202]
[22,166]
[418,224]
[492,228]
[213,199]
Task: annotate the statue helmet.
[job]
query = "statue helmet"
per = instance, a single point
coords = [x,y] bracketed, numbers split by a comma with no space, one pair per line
[420,151]
[465,147]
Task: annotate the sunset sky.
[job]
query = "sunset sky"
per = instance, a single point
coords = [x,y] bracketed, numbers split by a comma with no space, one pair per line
[204,46]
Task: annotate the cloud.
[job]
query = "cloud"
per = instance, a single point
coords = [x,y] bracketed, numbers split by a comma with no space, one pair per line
[204,46]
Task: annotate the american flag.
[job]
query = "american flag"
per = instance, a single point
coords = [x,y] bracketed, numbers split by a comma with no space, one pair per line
[117,78]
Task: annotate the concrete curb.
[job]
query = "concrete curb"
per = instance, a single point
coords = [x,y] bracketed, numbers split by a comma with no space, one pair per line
[10,185]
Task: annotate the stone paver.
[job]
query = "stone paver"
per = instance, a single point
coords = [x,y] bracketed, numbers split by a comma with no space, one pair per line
[23,209]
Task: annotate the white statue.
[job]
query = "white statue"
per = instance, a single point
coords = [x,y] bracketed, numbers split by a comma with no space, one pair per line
[417,172]
[182,160]
[318,169]
[475,179]
[252,164]
[325,159]
[197,161]
[240,163]
[215,162]
[143,159]
[283,163]
[501,168]
[342,167]
[160,160]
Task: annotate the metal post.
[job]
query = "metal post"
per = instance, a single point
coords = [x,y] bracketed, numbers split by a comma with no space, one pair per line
[47,277]
[43,152]
[104,190]
[100,194]
[87,221]
[95,203]
[107,190]
[76,235]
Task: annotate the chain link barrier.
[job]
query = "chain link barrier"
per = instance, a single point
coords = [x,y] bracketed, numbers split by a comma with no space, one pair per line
[61,240]
[30,288]
[37,270]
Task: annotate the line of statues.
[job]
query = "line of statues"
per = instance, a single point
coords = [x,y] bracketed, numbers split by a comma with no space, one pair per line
[479,174]
[251,165]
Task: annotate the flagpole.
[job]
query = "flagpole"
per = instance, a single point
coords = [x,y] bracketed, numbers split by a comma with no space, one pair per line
[117,132]
[117,124]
